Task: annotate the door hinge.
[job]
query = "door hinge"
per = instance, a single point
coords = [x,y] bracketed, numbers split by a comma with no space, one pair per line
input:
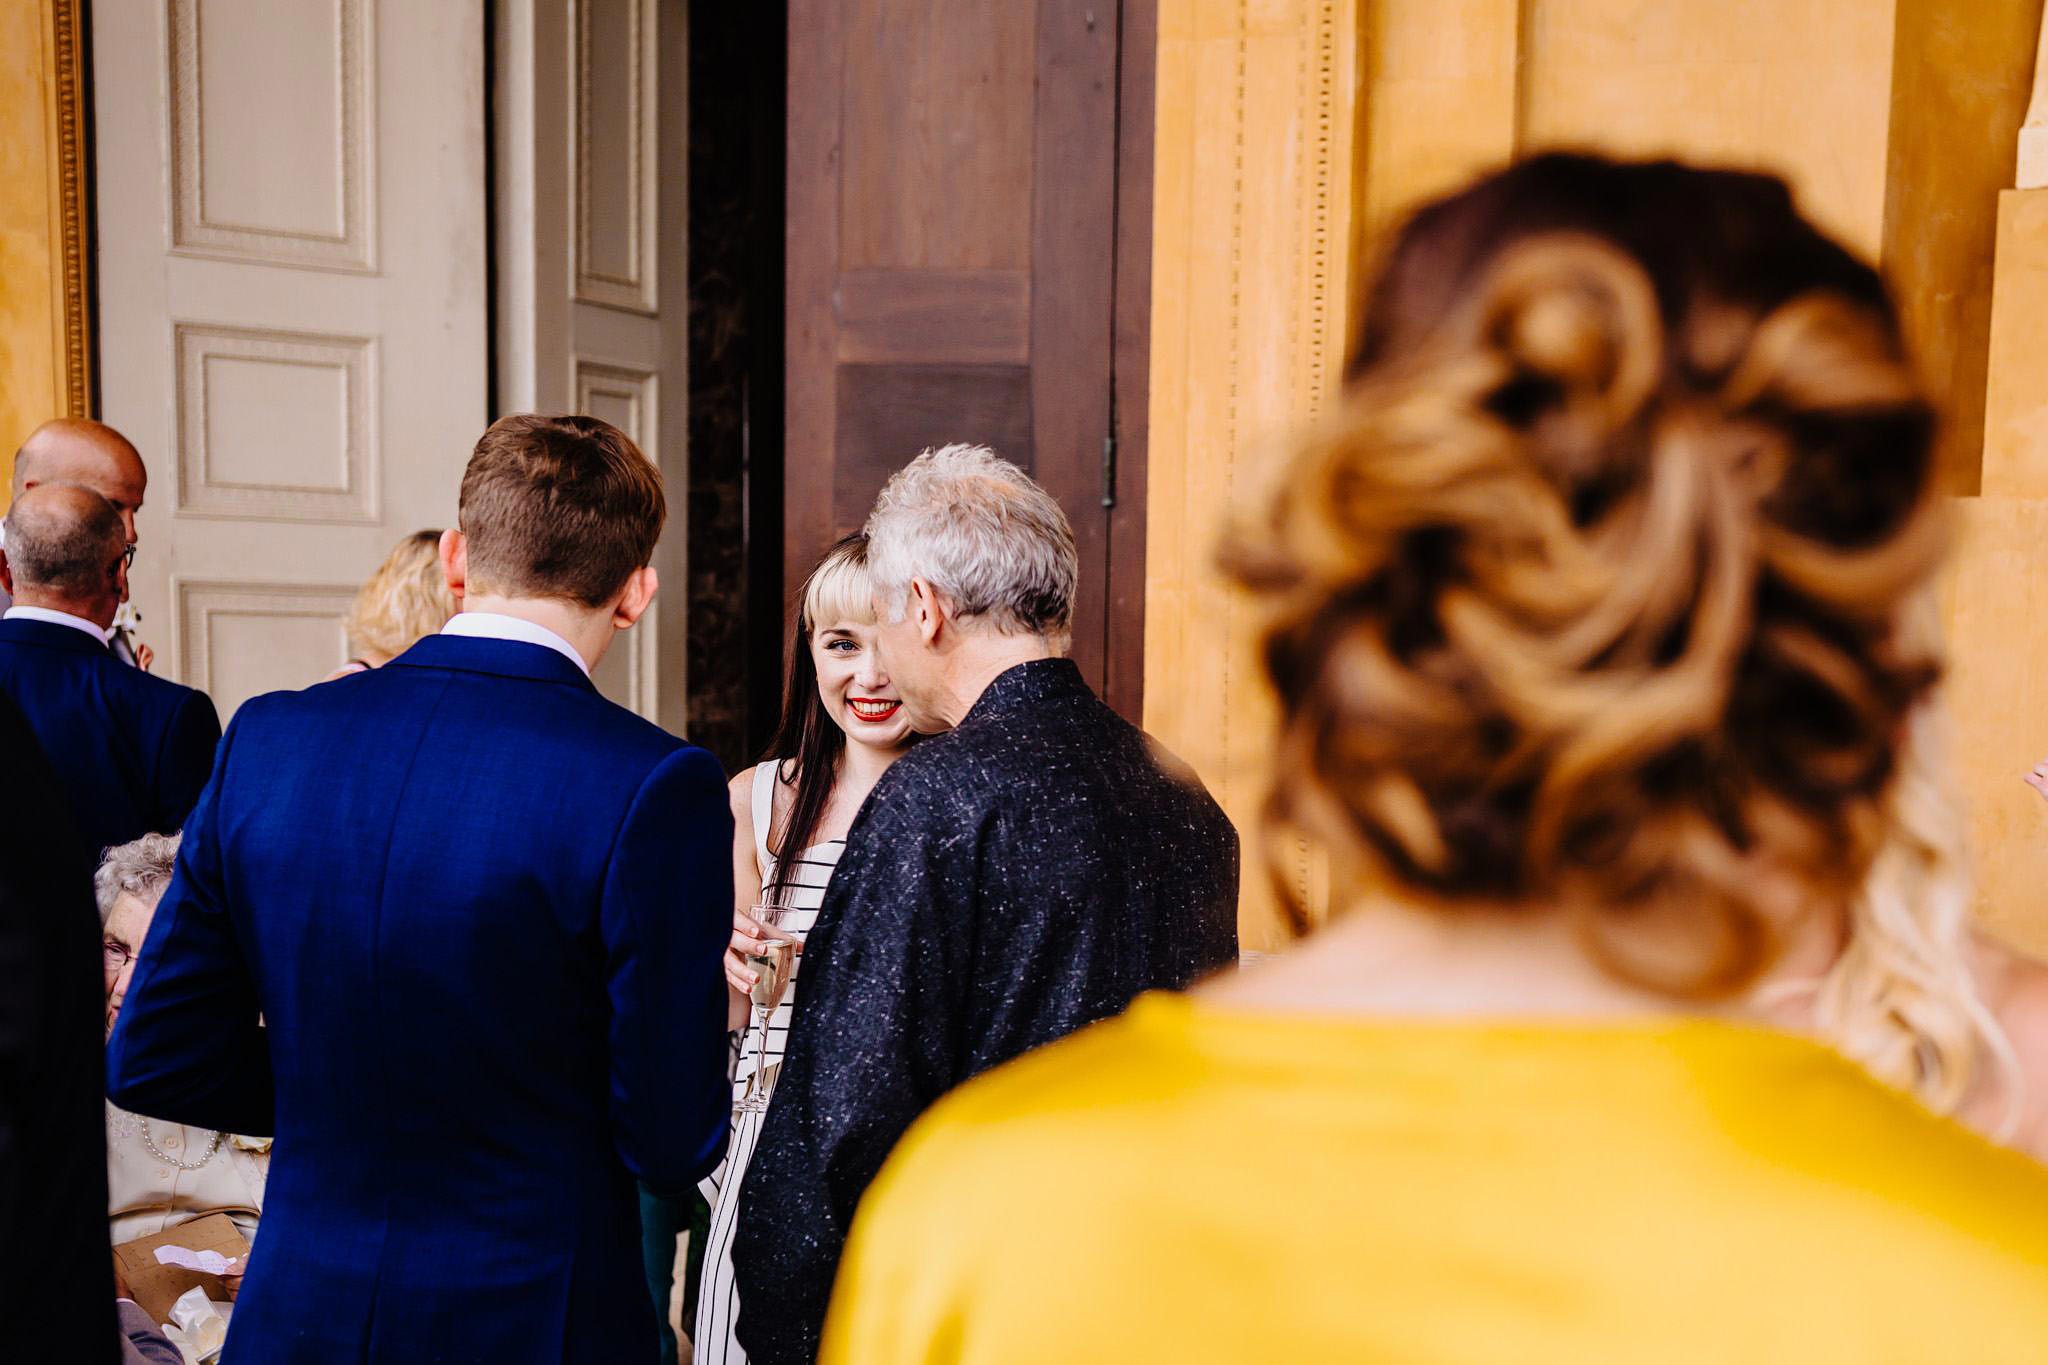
[1109,470]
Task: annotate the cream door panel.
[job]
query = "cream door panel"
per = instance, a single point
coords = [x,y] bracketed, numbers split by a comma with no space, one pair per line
[592,176]
[292,317]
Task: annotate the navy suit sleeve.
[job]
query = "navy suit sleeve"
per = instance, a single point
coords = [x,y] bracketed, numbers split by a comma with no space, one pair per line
[186,760]
[189,1046]
[666,918]
[875,1038]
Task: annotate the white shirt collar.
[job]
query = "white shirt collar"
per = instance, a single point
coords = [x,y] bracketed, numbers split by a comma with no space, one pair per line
[490,625]
[56,618]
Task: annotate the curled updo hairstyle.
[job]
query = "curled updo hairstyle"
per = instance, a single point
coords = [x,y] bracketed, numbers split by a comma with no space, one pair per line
[1589,595]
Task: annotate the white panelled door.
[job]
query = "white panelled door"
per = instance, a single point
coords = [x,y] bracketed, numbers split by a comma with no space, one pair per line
[292,307]
[593,177]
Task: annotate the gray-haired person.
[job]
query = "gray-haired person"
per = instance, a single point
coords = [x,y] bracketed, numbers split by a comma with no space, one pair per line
[1023,874]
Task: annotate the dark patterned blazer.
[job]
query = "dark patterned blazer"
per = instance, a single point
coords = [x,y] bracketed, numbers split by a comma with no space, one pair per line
[1007,883]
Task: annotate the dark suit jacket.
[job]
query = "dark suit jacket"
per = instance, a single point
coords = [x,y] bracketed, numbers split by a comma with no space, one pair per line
[481,911]
[53,1128]
[1006,884]
[131,750]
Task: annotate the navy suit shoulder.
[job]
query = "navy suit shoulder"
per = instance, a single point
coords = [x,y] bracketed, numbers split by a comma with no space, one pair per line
[132,750]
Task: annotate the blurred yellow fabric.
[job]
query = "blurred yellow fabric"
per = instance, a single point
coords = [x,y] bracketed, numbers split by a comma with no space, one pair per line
[1196,1183]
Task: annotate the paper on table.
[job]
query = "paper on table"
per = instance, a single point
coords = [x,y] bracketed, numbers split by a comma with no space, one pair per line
[205,1262]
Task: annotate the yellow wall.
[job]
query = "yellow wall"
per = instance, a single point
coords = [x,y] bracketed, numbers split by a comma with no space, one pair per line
[1893,120]
[1251,272]
[1997,593]
[42,339]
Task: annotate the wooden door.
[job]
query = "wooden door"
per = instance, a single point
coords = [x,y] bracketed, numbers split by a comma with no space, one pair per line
[591,174]
[952,272]
[290,231]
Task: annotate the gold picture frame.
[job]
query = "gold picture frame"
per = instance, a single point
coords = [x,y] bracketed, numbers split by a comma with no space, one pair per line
[72,203]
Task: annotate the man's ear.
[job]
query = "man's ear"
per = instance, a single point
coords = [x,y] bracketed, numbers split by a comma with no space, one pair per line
[6,574]
[454,555]
[635,597]
[928,609]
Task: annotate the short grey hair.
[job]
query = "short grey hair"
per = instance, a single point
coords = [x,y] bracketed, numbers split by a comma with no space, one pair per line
[993,543]
[141,869]
[59,549]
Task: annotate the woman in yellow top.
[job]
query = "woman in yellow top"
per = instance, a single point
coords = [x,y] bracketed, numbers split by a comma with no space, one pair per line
[1587,616]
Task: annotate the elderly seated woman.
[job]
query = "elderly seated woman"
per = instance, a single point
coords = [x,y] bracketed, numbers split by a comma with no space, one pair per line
[162,1174]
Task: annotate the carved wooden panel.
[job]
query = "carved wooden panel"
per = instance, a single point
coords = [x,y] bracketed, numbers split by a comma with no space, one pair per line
[272,131]
[239,640]
[275,425]
[615,151]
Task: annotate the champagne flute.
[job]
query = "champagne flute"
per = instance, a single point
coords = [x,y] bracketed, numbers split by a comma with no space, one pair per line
[772,966]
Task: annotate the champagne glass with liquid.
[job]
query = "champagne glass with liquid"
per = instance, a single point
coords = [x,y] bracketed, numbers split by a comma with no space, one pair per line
[773,965]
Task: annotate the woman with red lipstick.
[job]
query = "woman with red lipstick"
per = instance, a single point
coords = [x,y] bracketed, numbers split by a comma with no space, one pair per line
[842,726]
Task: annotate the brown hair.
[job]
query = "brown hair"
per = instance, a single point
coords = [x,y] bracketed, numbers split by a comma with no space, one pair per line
[562,507]
[405,599]
[1590,593]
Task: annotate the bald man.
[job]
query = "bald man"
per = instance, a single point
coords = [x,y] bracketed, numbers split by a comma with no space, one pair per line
[131,751]
[75,450]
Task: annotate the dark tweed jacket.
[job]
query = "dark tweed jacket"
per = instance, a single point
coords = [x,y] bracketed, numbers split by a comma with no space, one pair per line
[1008,883]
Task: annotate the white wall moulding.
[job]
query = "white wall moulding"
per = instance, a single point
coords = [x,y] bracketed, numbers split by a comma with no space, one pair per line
[238,640]
[627,396]
[273,137]
[614,145]
[234,456]
[592,169]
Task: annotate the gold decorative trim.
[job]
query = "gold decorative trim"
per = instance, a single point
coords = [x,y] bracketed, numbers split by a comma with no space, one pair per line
[1319,132]
[73,187]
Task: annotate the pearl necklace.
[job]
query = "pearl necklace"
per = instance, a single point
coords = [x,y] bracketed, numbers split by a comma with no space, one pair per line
[158,1153]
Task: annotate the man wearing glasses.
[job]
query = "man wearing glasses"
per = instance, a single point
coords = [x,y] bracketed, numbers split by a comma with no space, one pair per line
[131,750]
[74,450]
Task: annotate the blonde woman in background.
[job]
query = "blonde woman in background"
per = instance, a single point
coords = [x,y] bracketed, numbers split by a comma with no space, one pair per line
[406,599]
[1587,618]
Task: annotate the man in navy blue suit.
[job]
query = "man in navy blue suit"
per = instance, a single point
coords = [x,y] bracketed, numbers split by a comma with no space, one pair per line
[452,930]
[131,750]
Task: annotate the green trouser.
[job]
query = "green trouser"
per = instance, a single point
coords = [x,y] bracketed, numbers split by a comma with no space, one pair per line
[662,1220]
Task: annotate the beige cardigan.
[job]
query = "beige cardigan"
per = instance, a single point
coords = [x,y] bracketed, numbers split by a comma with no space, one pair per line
[146,1195]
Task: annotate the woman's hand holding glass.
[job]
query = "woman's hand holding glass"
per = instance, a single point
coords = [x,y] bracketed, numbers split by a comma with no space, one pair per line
[750,938]
[767,959]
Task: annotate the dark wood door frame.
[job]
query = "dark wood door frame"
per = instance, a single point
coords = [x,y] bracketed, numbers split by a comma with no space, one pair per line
[1131,356]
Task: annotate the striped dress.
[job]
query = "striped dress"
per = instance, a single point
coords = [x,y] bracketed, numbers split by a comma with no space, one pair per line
[718,1300]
